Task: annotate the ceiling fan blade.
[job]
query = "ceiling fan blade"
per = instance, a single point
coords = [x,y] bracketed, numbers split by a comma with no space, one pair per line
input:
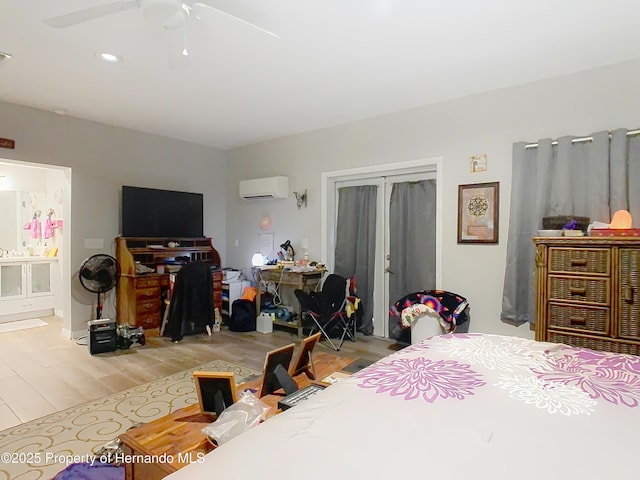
[91,13]
[238,19]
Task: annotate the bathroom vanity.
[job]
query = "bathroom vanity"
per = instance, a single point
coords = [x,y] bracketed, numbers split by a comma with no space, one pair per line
[26,287]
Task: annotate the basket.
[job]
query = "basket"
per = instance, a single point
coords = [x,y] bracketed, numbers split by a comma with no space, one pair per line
[559,221]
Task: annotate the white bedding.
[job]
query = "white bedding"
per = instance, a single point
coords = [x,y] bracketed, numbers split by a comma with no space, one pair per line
[466,406]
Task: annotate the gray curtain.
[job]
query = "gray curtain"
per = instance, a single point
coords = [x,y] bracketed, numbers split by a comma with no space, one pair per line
[412,243]
[585,178]
[355,245]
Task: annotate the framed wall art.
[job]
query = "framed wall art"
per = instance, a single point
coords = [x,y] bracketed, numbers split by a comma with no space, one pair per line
[478,210]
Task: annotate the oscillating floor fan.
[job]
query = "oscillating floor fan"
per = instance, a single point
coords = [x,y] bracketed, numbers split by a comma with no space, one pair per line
[99,274]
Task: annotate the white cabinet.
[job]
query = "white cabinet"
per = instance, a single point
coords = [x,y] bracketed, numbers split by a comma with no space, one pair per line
[13,280]
[25,287]
[231,290]
[39,279]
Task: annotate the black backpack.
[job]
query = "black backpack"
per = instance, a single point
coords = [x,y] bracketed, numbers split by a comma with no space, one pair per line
[243,316]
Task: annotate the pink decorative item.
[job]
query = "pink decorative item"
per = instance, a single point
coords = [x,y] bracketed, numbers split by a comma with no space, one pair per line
[48,228]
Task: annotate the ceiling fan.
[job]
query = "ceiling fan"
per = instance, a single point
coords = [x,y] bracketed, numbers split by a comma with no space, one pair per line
[167,17]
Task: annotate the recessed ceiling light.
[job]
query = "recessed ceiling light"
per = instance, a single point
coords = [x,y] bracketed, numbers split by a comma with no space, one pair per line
[59,111]
[110,57]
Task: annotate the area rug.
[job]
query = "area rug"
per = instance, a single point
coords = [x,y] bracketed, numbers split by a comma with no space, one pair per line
[41,448]
[21,325]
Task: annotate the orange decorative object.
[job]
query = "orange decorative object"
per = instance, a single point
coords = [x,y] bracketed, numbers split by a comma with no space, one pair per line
[249,293]
[265,222]
[621,219]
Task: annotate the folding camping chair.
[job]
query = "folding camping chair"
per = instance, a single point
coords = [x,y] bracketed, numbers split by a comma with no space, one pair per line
[327,310]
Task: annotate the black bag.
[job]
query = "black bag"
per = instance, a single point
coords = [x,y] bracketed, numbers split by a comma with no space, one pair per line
[243,316]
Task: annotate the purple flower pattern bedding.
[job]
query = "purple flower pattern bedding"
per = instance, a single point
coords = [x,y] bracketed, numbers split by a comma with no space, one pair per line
[558,378]
[455,406]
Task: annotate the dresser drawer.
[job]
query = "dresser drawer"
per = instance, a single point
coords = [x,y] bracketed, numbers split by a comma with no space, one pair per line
[579,318]
[146,306]
[579,289]
[144,282]
[149,320]
[629,308]
[147,294]
[595,343]
[579,260]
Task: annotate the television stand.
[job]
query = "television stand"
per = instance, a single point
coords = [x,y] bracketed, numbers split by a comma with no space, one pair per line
[140,296]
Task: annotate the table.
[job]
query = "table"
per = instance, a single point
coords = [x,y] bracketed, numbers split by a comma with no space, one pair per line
[306,281]
[175,440]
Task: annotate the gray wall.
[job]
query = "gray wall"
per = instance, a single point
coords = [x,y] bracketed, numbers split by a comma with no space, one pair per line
[102,159]
[487,123]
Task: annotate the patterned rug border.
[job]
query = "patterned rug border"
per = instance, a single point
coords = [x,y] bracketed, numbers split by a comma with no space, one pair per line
[83,429]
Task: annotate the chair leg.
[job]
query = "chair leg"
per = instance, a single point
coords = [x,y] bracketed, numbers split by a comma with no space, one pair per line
[318,325]
[347,325]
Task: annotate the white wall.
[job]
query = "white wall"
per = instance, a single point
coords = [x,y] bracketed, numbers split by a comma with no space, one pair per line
[488,123]
[102,159]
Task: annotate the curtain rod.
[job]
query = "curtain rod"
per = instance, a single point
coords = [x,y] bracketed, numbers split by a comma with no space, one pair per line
[582,139]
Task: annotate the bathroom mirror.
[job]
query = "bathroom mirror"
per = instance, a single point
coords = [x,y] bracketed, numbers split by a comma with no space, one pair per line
[18,211]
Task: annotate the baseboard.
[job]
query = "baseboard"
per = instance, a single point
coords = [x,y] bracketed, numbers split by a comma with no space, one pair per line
[26,315]
[74,335]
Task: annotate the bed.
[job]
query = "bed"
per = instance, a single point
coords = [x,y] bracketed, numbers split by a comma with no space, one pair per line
[456,406]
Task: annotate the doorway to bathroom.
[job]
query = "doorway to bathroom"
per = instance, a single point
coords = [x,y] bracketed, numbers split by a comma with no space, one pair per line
[34,240]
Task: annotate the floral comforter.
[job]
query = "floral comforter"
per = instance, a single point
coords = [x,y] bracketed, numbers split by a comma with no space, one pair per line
[463,406]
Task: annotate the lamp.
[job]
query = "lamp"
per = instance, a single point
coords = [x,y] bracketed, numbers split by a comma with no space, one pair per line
[304,244]
[257,260]
[288,250]
[621,220]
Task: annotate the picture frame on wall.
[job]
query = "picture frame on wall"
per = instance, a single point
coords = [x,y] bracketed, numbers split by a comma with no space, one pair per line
[478,212]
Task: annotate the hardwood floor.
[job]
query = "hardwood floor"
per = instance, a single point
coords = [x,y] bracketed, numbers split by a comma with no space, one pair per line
[42,373]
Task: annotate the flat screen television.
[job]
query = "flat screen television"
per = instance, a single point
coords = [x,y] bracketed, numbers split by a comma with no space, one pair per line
[150,212]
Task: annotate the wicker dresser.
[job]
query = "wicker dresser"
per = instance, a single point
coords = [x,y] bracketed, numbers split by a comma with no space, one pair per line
[588,292]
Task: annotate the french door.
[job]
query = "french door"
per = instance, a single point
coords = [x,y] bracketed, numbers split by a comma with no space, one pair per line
[404,254]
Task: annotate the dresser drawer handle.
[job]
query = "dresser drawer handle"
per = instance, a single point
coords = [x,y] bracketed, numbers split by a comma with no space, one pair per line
[578,291]
[578,262]
[627,294]
[148,305]
[577,320]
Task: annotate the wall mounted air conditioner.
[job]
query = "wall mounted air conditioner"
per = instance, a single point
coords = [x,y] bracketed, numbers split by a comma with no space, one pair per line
[271,187]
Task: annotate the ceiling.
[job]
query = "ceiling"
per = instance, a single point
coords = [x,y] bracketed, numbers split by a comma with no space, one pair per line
[334,61]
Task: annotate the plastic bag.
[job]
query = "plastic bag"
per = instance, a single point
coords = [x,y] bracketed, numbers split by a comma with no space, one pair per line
[246,413]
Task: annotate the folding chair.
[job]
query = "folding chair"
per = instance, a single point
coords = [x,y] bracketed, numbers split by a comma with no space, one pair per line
[326,310]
